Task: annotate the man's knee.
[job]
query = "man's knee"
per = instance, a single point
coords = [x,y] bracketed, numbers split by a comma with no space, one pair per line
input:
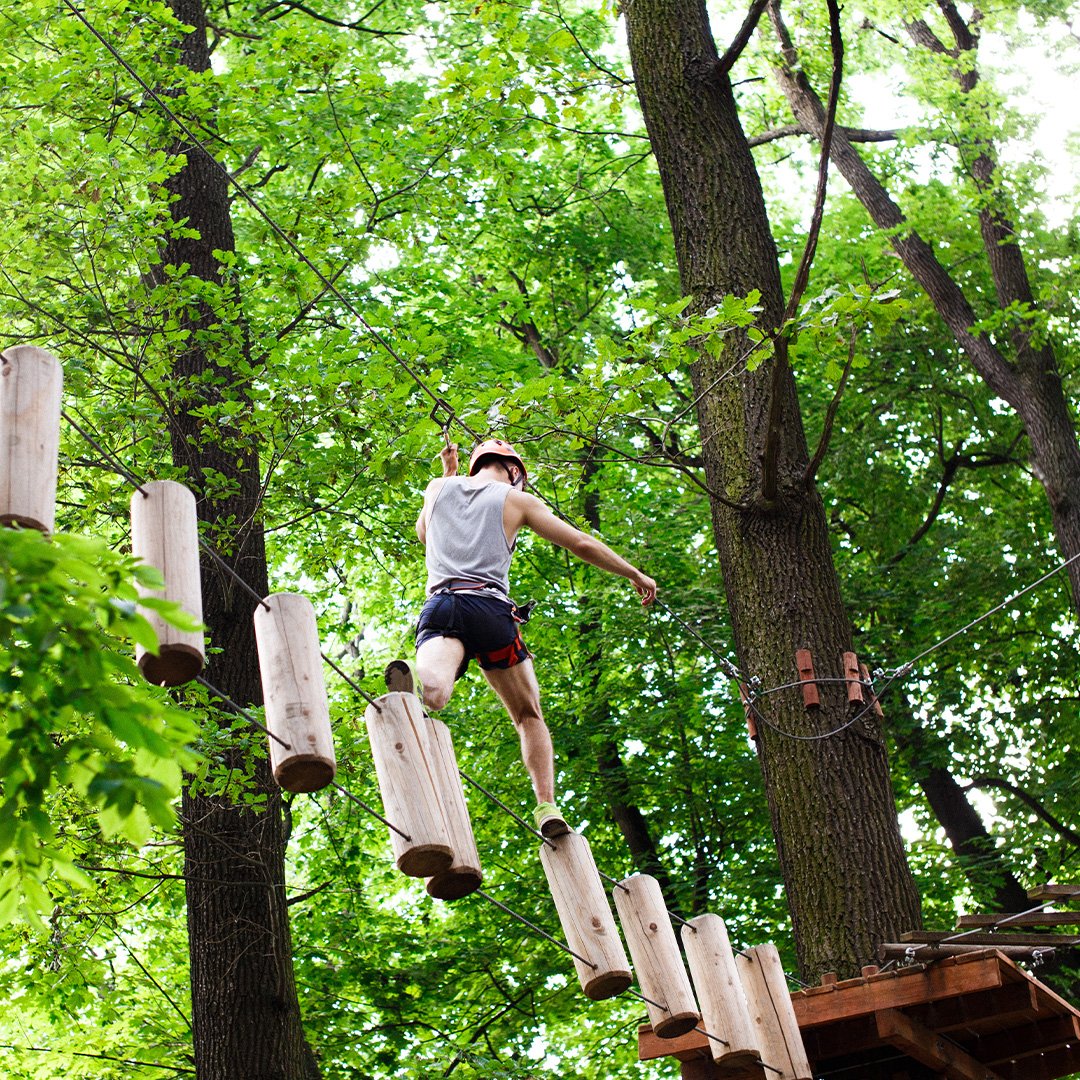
[436,687]
[436,695]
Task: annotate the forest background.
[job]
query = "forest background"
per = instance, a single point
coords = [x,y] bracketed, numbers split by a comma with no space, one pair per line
[441,216]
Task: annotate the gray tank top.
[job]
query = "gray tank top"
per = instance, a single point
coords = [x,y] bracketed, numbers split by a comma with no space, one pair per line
[466,542]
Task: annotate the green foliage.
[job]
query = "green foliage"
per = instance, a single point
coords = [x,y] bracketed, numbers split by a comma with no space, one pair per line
[477,186]
[83,736]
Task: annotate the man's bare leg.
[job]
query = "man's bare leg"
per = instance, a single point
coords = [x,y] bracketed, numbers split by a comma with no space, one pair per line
[437,662]
[520,694]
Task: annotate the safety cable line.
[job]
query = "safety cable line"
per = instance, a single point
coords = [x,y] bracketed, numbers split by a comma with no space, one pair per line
[537,929]
[728,667]
[240,710]
[495,799]
[255,723]
[359,689]
[904,668]
[109,458]
[374,813]
[380,339]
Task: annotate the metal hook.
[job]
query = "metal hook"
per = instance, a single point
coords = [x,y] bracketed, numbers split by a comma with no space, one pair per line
[443,406]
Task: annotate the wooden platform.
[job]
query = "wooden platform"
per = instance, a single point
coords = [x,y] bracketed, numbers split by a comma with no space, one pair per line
[970,1017]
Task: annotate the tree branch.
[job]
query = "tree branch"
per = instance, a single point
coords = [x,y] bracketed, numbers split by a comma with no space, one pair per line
[855,135]
[781,366]
[830,415]
[1029,800]
[741,39]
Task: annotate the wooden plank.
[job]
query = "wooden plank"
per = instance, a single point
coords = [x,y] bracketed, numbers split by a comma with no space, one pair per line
[896,950]
[859,997]
[990,941]
[926,1046]
[1046,918]
[1004,1007]
[1035,1037]
[1043,1066]
[1054,892]
[688,1047]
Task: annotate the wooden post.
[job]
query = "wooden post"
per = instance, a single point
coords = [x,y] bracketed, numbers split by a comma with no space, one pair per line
[464,874]
[585,916]
[294,692]
[406,765]
[165,535]
[655,953]
[724,1014]
[31,384]
[773,1014]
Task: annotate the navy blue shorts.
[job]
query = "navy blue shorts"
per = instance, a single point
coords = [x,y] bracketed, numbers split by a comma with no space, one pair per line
[483,623]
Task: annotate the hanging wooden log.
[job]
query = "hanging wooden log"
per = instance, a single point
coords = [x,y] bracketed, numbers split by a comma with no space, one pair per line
[587,923]
[654,951]
[772,1013]
[406,763]
[724,1014]
[31,385]
[464,874]
[294,693]
[165,535]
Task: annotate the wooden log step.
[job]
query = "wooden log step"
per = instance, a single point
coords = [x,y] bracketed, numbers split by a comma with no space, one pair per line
[772,1014]
[165,534]
[1055,892]
[464,875]
[991,941]
[405,756]
[31,390]
[297,709]
[895,950]
[587,922]
[655,953]
[1047,918]
[725,1014]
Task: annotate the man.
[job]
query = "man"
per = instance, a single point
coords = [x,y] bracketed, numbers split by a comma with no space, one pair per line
[469,525]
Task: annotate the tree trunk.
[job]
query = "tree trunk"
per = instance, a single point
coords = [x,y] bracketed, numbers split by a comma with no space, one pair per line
[245,1011]
[1031,384]
[833,815]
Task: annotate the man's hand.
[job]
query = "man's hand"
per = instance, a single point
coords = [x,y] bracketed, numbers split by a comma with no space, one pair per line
[645,585]
[449,455]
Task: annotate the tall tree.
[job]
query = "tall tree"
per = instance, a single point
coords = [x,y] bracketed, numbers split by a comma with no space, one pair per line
[1009,343]
[245,1012]
[826,773]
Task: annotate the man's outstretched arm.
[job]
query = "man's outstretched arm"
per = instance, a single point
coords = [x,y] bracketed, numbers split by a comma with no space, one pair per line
[530,512]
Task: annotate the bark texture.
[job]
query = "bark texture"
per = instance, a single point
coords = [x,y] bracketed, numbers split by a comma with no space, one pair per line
[246,1016]
[1028,377]
[833,815]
